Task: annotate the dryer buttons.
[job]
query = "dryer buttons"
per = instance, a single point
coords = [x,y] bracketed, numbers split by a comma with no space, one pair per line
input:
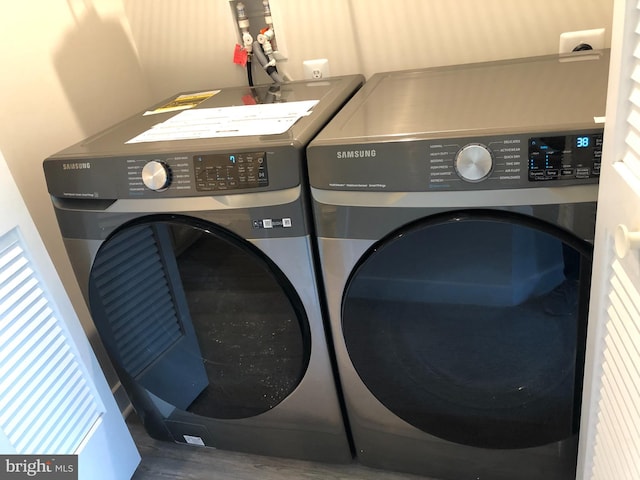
[156,175]
[473,162]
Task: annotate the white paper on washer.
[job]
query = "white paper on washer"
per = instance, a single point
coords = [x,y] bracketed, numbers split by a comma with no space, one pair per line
[264,119]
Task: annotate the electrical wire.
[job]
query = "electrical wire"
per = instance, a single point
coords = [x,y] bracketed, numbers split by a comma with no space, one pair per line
[249,73]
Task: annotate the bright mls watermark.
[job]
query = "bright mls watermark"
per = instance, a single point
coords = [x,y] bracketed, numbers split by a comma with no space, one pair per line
[49,467]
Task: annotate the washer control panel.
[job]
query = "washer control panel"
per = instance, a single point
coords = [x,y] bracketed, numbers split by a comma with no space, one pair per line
[210,172]
[230,171]
[170,175]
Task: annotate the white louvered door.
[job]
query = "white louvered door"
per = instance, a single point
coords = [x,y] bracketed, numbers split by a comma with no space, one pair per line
[610,435]
[53,396]
[47,404]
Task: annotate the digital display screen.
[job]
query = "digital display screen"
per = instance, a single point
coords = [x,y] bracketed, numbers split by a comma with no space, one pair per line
[565,156]
[230,171]
[583,142]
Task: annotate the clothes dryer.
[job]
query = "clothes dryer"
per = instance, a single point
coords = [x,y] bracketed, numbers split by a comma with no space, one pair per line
[188,227]
[455,210]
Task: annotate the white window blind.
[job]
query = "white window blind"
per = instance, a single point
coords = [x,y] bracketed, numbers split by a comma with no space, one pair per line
[47,406]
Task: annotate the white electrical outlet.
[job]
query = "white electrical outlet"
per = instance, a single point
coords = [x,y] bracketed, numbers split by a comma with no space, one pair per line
[318,68]
[570,40]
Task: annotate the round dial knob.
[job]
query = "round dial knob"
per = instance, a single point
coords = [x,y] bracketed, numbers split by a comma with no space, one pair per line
[156,175]
[474,162]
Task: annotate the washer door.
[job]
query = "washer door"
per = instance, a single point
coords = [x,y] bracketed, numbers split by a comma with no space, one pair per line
[471,327]
[199,317]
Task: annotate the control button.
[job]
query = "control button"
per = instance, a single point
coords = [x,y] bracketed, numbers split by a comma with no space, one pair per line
[582,173]
[566,172]
[156,175]
[552,173]
[474,162]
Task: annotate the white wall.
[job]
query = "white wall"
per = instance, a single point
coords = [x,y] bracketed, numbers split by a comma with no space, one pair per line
[189,45]
[73,67]
[69,69]
[184,44]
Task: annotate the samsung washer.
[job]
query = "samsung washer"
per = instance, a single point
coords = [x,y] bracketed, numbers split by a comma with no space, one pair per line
[455,210]
[191,241]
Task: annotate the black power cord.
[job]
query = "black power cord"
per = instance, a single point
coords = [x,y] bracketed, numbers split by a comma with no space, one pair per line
[582,47]
[249,72]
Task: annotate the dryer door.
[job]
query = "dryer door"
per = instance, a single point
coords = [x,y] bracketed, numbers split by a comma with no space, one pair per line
[198,317]
[471,327]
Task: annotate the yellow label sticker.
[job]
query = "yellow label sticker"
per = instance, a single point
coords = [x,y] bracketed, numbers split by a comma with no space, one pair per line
[184,102]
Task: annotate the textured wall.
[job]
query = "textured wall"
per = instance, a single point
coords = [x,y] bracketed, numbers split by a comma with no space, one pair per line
[189,45]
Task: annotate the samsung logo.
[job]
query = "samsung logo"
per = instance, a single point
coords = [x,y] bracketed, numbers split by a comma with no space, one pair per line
[76,166]
[356,154]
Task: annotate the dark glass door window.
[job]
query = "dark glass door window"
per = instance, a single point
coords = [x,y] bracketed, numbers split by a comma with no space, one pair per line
[199,317]
[470,326]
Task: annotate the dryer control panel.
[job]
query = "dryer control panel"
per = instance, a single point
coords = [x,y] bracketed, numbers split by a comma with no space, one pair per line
[565,156]
[507,161]
[515,161]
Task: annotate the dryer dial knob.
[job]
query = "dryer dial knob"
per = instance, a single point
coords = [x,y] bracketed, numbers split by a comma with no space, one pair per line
[474,162]
[156,175]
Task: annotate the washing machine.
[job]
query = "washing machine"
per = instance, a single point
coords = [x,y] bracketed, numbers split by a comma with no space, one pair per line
[455,210]
[189,231]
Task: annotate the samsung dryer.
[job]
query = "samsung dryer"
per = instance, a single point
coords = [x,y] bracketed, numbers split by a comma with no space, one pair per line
[455,210]
[188,227]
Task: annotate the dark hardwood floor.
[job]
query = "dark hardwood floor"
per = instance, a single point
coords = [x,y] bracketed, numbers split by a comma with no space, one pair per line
[164,460]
